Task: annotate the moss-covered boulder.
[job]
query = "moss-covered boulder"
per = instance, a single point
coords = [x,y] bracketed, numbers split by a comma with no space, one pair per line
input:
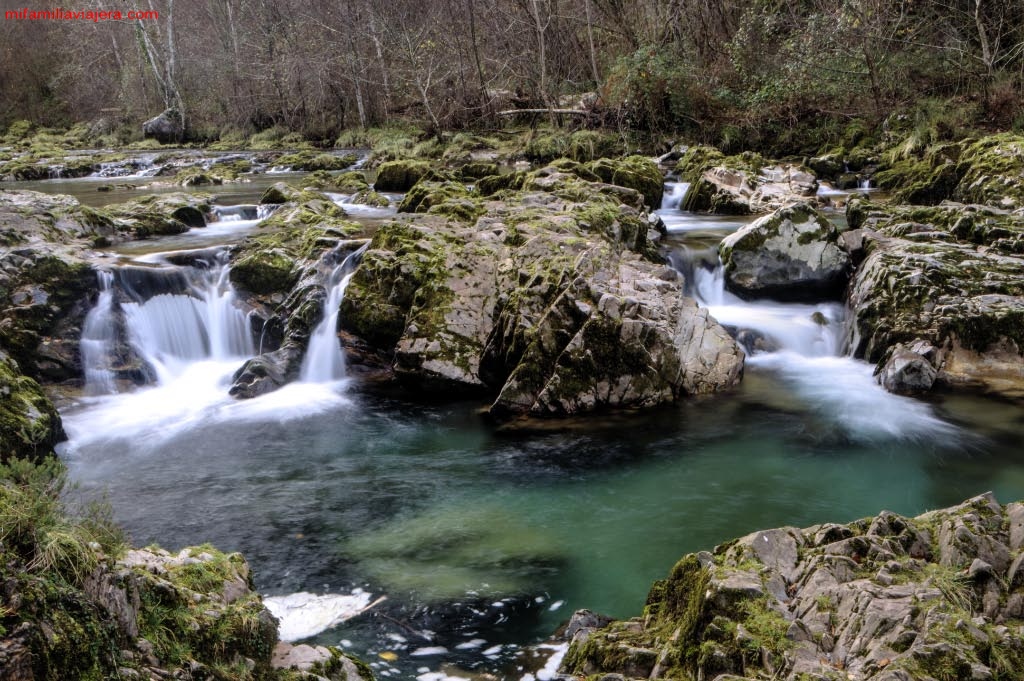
[539,303]
[160,214]
[29,424]
[792,254]
[399,176]
[883,598]
[442,198]
[743,184]
[314,161]
[635,172]
[951,276]
[986,171]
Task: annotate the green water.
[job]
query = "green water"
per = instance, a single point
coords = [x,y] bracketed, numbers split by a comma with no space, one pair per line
[428,504]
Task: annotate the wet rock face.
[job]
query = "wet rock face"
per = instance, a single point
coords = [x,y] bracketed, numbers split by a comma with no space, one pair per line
[741,185]
[792,254]
[29,424]
[950,276]
[545,300]
[885,598]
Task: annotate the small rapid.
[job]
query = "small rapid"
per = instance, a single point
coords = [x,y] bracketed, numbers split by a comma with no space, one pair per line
[324,360]
[802,344]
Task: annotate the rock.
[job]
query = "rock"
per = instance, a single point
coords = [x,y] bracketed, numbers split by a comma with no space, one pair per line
[909,371]
[279,192]
[741,185]
[926,279]
[29,423]
[721,618]
[399,176]
[635,172]
[791,254]
[165,128]
[541,302]
[328,663]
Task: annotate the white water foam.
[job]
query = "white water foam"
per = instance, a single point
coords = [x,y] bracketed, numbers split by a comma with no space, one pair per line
[303,615]
[804,344]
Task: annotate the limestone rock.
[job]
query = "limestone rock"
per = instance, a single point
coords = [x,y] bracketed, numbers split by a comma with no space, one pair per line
[948,276]
[542,301]
[868,600]
[791,254]
[909,370]
[743,184]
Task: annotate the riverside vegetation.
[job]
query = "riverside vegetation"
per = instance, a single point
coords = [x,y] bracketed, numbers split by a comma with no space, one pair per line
[541,292]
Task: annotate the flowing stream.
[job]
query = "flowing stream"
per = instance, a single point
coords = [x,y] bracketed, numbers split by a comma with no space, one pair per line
[483,542]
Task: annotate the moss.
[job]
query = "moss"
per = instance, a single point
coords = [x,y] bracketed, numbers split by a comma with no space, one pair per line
[477,170]
[635,172]
[313,161]
[400,176]
[264,271]
[427,195]
[488,186]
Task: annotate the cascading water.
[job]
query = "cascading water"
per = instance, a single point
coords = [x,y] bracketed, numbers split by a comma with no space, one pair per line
[171,330]
[802,344]
[324,360]
[673,196]
[99,333]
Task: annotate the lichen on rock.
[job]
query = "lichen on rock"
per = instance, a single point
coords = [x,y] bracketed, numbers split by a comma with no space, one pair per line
[889,597]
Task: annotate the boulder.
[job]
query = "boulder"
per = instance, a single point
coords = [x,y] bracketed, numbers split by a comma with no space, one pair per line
[792,254]
[399,176]
[743,184]
[909,370]
[926,277]
[166,128]
[868,600]
[544,301]
[30,426]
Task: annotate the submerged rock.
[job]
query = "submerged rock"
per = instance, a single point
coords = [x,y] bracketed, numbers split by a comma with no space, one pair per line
[948,275]
[792,254]
[883,598]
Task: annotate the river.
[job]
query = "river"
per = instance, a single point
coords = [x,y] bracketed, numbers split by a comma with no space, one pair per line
[482,540]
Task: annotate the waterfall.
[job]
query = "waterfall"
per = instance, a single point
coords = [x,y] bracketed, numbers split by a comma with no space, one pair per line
[236,213]
[172,318]
[864,183]
[802,345]
[99,334]
[324,360]
[169,330]
[674,194]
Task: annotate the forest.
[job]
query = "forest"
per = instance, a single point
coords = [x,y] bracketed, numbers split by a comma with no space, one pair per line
[774,76]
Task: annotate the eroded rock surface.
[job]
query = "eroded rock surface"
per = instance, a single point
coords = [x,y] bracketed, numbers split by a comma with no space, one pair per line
[886,598]
[792,254]
[950,276]
[544,298]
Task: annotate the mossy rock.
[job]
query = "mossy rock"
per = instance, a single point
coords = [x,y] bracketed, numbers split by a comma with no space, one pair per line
[492,184]
[368,197]
[348,182]
[399,176]
[992,171]
[265,271]
[635,172]
[29,423]
[428,194]
[313,161]
[477,170]
[280,193]
[696,160]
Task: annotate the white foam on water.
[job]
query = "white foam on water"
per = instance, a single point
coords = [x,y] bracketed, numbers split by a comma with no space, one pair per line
[302,615]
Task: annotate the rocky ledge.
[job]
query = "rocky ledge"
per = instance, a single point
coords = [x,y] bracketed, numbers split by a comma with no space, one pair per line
[939,597]
[938,299]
